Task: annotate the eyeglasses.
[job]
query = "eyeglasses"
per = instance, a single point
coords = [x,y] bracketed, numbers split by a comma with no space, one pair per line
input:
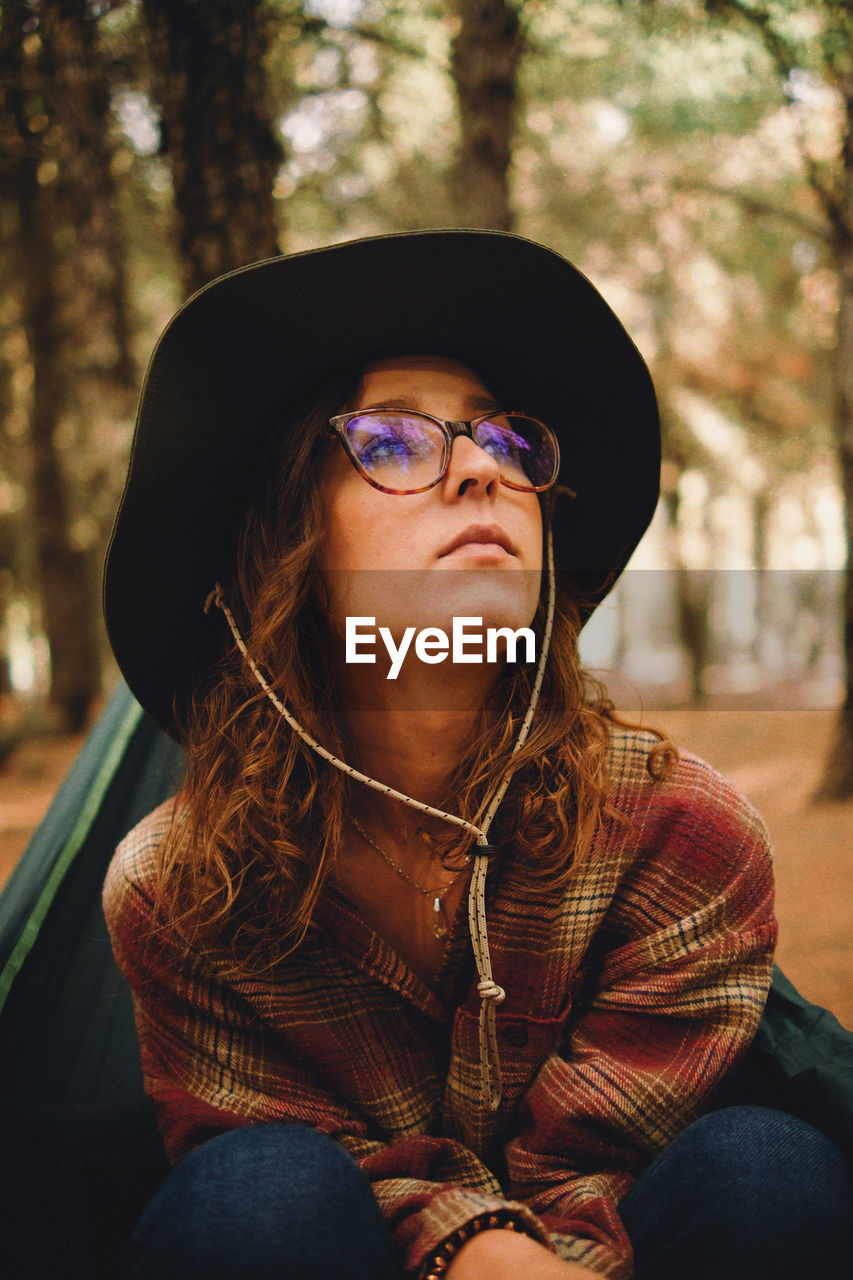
[407,452]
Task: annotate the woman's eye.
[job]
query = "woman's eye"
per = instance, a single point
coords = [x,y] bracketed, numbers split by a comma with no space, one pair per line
[387,445]
[506,446]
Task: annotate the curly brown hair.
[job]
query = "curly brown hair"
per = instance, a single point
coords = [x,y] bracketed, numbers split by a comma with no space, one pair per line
[260,819]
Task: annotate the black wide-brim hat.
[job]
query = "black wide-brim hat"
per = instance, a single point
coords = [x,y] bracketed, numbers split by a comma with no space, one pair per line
[521,317]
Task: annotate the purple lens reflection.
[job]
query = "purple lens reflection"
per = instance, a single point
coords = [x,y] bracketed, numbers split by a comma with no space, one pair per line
[521,447]
[397,450]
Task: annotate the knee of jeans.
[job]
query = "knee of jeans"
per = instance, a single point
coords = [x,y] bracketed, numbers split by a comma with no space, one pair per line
[274,1161]
[277,1185]
[246,1200]
[761,1157]
[744,1191]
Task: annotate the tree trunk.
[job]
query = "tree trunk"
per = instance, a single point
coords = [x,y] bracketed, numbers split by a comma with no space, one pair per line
[10,523]
[89,271]
[763,575]
[693,601]
[837,782]
[484,61]
[72,301]
[94,307]
[68,613]
[217,135]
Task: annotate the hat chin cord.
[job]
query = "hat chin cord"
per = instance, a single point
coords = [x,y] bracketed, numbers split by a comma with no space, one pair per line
[490,993]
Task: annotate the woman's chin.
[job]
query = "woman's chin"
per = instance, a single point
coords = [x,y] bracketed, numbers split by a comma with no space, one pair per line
[498,599]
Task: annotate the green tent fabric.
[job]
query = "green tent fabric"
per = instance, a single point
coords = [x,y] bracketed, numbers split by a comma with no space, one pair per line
[80,1155]
[71,1105]
[801,1060]
[66,1021]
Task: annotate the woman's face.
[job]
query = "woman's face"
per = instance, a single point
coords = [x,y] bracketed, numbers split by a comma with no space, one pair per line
[469,546]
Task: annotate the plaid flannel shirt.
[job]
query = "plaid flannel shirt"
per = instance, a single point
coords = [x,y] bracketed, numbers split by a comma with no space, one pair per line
[629,995]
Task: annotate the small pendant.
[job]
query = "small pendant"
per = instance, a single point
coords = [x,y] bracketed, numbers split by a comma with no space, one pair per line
[439,924]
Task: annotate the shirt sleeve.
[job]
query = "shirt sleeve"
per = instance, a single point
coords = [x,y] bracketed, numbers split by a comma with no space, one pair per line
[209,1066]
[673,1000]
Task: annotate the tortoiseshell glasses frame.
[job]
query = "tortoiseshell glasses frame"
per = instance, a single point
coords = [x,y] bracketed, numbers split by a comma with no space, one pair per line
[412,430]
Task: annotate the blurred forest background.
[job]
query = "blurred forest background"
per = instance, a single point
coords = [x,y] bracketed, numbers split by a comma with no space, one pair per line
[693,157]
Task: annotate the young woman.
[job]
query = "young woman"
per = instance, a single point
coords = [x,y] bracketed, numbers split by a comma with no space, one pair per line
[437,965]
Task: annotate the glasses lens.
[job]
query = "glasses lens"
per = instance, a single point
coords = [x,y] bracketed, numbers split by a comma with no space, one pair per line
[398,451]
[524,449]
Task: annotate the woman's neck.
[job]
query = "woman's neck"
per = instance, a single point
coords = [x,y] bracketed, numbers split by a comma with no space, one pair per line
[412,736]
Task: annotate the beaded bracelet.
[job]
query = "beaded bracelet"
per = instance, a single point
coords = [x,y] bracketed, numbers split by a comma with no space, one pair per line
[443,1256]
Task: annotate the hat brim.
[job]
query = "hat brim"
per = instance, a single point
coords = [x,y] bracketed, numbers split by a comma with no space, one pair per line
[518,314]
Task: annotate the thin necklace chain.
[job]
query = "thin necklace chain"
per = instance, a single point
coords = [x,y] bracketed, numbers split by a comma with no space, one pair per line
[439,925]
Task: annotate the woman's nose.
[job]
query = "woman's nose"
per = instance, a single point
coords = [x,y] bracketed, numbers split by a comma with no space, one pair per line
[472,468]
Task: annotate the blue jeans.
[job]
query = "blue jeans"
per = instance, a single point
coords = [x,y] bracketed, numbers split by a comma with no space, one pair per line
[744,1194]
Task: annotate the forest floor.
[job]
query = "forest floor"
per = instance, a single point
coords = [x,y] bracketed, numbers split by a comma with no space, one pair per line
[774,756]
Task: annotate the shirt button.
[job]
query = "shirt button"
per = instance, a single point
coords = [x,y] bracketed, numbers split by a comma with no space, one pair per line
[516,1036]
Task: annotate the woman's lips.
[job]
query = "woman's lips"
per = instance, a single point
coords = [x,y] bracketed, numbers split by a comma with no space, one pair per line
[478,551]
[482,539]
